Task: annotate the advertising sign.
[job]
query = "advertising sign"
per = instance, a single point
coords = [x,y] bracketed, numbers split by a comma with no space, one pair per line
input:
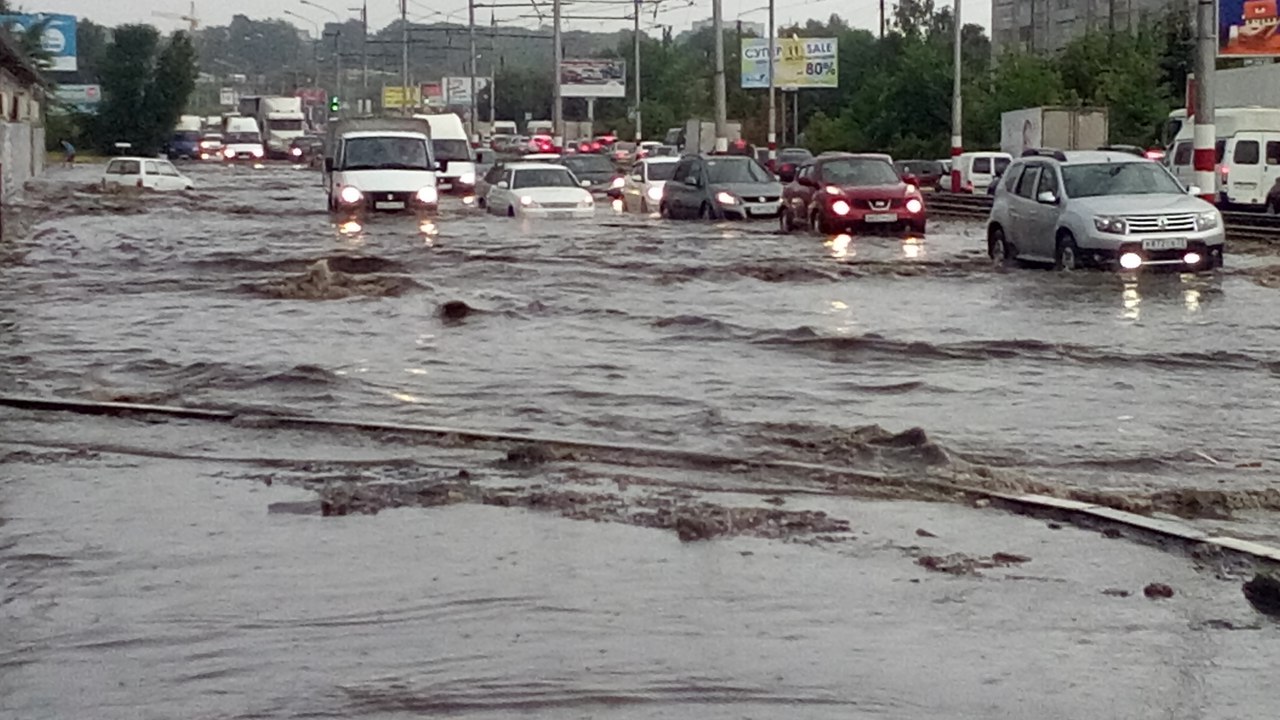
[228,97]
[593,78]
[457,90]
[1248,28]
[798,63]
[59,38]
[81,96]
[432,94]
[313,95]
[400,97]
[1021,129]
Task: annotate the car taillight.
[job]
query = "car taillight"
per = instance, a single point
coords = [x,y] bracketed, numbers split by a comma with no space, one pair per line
[1224,172]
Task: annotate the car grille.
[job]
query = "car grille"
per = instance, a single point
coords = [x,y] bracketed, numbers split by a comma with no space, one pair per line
[372,199]
[559,205]
[760,198]
[1161,223]
[875,204]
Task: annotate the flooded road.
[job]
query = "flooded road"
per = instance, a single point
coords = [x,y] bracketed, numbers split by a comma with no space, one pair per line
[143,568]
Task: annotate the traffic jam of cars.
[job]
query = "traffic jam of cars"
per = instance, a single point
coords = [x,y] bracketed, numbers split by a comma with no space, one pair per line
[1111,208]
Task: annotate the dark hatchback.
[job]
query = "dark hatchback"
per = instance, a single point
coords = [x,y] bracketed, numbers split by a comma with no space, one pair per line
[928,173]
[598,170]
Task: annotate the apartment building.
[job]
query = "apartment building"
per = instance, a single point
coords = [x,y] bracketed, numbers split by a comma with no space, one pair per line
[1045,26]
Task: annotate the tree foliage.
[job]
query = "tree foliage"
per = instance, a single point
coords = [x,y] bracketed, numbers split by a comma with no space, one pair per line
[145,86]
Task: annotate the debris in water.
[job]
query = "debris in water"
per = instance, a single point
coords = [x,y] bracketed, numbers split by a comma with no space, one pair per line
[531,454]
[961,564]
[320,282]
[691,528]
[1263,593]
[1111,533]
[1158,591]
[1116,592]
[455,311]
[921,532]
[1003,558]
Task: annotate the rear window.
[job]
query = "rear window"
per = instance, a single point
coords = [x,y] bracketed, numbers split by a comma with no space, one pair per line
[1246,153]
[1273,153]
[982,165]
[1002,164]
[1220,148]
[1182,155]
[662,171]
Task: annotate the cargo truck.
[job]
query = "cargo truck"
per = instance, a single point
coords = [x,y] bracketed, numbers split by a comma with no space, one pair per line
[699,136]
[279,118]
[1060,128]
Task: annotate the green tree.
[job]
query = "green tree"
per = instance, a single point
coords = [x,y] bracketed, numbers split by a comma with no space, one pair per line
[145,86]
[172,84]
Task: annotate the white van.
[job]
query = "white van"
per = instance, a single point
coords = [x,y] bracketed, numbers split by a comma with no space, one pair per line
[380,165]
[1247,161]
[979,169]
[505,127]
[454,156]
[241,139]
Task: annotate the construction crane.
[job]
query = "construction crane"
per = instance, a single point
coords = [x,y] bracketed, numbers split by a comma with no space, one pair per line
[190,17]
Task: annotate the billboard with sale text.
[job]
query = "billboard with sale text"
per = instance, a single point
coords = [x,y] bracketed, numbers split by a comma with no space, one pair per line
[797,63]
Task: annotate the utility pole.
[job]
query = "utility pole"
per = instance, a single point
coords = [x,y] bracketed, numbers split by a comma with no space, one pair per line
[773,110]
[557,104]
[493,69]
[1206,59]
[364,44]
[722,123]
[404,56]
[636,70]
[471,65]
[957,107]
[881,16]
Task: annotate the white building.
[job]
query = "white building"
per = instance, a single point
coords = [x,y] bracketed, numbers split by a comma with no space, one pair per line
[22,99]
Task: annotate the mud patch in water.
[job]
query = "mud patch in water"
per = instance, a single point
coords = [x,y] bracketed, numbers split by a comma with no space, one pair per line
[321,282]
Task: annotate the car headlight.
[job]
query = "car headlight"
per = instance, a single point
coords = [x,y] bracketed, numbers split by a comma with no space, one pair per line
[586,203]
[617,183]
[1208,220]
[296,152]
[257,152]
[467,178]
[428,195]
[229,153]
[914,206]
[1110,224]
[840,207]
[832,190]
[655,193]
[350,195]
[527,201]
[725,198]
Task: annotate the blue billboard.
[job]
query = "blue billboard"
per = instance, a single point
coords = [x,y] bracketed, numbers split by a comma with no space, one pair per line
[59,36]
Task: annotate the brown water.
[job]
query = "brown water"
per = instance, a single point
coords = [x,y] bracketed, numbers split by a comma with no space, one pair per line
[144,575]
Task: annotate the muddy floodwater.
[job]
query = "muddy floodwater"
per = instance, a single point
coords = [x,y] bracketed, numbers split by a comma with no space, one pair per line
[154,567]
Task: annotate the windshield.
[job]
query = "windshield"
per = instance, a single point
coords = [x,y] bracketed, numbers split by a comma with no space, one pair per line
[662,171]
[249,138]
[186,136]
[1002,164]
[859,172]
[794,155]
[285,125]
[736,170]
[386,153]
[925,167]
[589,164]
[452,149]
[1132,178]
[543,177]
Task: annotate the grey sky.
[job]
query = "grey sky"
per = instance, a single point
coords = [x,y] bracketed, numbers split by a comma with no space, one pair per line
[860,13]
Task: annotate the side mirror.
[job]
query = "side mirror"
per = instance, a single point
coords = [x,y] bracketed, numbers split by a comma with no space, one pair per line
[692,181]
[328,164]
[503,184]
[640,178]
[911,179]
[585,183]
[787,173]
[1194,190]
[1047,197]
[808,182]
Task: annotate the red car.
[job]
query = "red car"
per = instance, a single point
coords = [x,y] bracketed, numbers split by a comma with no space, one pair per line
[839,192]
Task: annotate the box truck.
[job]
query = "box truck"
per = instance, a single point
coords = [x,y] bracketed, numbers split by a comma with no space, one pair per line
[1061,128]
[279,118]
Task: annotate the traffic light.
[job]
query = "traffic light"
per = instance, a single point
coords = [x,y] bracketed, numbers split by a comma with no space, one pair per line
[335,104]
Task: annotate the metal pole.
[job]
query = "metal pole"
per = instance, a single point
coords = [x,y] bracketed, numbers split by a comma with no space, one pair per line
[636,70]
[722,123]
[957,112]
[795,116]
[557,104]
[1205,157]
[364,45]
[404,56]
[773,110]
[337,61]
[493,72]
[471,65]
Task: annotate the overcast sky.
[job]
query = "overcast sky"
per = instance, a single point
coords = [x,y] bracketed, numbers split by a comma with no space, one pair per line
[679,13]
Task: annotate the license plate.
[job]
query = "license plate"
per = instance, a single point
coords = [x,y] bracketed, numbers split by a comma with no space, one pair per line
[762,210]
[388,206]
[882,217]
[1164,244]
[444,185]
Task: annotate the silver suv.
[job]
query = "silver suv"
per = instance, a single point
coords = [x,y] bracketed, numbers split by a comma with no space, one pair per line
[1101,209]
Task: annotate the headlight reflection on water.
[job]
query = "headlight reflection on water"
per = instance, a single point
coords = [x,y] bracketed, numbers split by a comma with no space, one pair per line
[841,246]
[913,248]
[617,205]
[350,228]
[1132,298]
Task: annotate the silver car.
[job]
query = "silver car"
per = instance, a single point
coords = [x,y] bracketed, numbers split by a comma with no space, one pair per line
[1101,209]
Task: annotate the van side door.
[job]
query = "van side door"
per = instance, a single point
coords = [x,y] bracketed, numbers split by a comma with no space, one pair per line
[1021,207]
[679,188]
[1242,171]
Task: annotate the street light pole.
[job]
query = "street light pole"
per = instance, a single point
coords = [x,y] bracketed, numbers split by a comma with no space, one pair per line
[636,70]
[557,106]
[773,111]
[1204,132]
[404,57]
[957,108]
[471,65]
[722,123]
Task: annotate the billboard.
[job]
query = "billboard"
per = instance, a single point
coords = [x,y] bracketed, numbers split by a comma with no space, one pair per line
[395,96]
[1248,28]
[59,36]
[1021,129]
[798,63]
[593,78]
[457,90]
[433,94]
[82,97]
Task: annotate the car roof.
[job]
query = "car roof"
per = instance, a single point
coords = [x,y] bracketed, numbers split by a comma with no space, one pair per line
[138,157]
[536,166]
[539,157]
[829,156]
[1093,157]
[383,133]
[661,160]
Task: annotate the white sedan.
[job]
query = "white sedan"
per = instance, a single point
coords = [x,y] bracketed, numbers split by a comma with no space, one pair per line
[140,172]
[642,188]
[540,190]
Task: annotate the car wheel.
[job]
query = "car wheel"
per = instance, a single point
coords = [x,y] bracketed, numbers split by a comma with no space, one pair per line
[480,202]
[1273,207]
[784,221]
[511,211]
[820,224]
[998,247]
[664,211]
[704,212]
[1066,256]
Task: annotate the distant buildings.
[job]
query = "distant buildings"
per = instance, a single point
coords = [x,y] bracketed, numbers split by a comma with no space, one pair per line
[754,28]
[1045,26]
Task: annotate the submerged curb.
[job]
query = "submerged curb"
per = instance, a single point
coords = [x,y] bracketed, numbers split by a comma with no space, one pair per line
[1029,504]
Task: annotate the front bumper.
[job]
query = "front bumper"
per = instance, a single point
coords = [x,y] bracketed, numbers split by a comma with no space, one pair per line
[1156,249]
[751,211]
[382,203]
[455,185]
[544,213]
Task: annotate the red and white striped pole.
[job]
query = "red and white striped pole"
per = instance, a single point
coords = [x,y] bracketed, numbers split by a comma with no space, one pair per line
[773,110]
[957,108]
[1204,136]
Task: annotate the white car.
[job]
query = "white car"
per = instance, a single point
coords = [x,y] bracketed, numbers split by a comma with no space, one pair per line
[539,190]
[140,172]
[642,189]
